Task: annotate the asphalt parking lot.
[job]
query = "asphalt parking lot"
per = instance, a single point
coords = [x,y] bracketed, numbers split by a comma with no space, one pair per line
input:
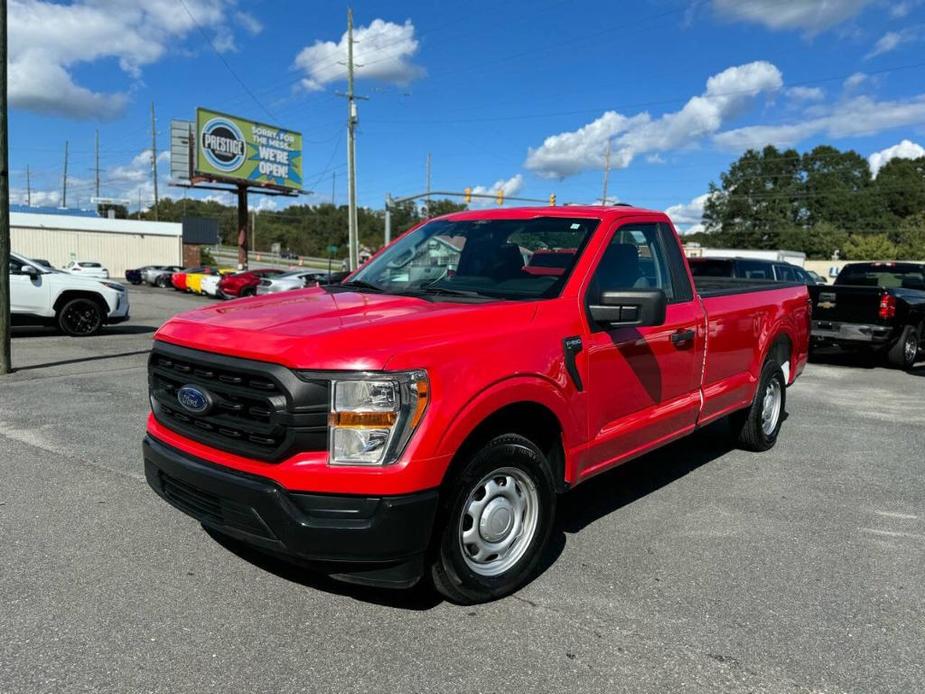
[698,568]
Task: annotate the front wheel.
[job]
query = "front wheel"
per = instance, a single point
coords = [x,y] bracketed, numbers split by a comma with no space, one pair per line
[757,427]
[495,522]
[80,318]
[905,350]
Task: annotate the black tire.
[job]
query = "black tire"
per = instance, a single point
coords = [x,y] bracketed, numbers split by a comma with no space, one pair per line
[80,317]
[524,474]
[162,281]
[903,353]
[756,428]
[248,291]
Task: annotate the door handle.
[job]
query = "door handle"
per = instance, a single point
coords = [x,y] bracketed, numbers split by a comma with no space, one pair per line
[682,337]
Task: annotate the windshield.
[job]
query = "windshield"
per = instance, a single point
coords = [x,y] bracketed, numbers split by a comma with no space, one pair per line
[889,276]
[494,258]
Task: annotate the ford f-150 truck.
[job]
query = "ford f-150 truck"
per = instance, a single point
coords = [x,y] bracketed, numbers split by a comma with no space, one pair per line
[876,306]
[407,423]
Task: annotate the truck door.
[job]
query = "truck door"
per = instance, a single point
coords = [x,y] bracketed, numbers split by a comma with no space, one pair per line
[27,294]
[644,383]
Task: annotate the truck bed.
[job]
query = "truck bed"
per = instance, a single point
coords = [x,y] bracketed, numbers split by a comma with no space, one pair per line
[724,286]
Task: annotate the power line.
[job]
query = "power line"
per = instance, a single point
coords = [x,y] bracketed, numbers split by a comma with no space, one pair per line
[225,62]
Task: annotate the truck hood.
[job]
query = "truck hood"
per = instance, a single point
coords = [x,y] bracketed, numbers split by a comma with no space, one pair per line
[318,329]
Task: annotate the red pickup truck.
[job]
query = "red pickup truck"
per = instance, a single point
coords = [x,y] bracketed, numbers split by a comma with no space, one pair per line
[420,418]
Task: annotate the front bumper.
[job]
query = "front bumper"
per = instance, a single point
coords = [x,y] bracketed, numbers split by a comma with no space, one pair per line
[370,540]
[835,331]
[120,313]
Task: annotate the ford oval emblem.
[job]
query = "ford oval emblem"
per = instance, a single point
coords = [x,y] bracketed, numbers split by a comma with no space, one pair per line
[194,399]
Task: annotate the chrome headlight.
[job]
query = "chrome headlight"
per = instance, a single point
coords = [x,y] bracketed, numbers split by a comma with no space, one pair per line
[373,416]
[113,285]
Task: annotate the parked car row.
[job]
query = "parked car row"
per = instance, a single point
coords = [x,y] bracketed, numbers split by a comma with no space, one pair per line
[228,283]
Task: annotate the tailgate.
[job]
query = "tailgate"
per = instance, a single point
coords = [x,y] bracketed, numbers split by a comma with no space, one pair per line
[846,304]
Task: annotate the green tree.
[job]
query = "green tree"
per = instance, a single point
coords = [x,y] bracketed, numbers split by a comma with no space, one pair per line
[759,196]
[869,247]
[900,184]
[837,190]
[910,238]
[436,208]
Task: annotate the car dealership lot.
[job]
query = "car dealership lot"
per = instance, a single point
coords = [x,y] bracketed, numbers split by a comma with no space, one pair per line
[698,567]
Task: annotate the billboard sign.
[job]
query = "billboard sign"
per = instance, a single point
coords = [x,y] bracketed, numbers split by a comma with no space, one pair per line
[181,134]
[243,151]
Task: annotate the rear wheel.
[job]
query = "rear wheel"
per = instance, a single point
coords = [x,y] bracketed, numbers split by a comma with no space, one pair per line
[495,522]
[905,350]
[757,427]
[80,317]
[162,281]
[248,291]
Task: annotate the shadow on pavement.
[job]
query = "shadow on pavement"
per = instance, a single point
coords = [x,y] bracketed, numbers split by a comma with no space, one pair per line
[420,597]
[65,362]
[579,508]
[107,331]
[612,490]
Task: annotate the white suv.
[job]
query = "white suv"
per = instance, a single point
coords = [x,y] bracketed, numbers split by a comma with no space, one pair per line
[87,268]
[77,305]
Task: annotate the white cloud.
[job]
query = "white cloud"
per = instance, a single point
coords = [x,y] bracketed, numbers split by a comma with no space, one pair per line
[806,93]
[688,217]
[904,150]
[854,81]
[264,203]
[48,41]
[851,118]
[382,51]
[892,40]
[511,186]
[727,95]
[811,16]
[889,41]
[249,22]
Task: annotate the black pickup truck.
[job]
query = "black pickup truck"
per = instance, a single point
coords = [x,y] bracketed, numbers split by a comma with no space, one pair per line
[873,306]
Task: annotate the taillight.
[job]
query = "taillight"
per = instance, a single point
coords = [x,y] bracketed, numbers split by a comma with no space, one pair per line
[887,307]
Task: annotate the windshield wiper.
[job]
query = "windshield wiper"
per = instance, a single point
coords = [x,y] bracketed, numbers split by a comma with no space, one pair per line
[446,291]
[363,284]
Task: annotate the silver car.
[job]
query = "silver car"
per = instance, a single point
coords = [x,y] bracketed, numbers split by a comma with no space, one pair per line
[159,275]
[291,280]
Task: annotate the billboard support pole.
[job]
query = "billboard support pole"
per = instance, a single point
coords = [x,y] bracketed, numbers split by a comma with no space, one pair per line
[6,362]
[242,226]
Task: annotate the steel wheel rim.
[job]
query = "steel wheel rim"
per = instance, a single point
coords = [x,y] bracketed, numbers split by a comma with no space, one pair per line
[81,318]
[911,348]
[498,521]
[770,407]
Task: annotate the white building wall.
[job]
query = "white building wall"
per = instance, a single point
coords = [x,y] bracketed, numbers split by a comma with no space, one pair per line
[118,244]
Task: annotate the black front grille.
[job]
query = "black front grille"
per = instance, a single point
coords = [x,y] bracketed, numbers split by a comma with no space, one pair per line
[258,410]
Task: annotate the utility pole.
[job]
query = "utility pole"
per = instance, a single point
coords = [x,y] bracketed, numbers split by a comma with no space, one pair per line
[6,362]
[606,171]
[333,188]
[64,183]
[352,232]
[427,185]
[28,187]
[97,167]
[154,157]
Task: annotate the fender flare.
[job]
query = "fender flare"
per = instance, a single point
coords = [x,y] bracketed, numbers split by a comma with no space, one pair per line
[512,390]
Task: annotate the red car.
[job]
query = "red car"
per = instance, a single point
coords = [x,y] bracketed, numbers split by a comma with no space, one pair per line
[398,425]
[245,283]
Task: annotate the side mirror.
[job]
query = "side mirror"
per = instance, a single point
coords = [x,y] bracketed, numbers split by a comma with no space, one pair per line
[29,270]
[628,308]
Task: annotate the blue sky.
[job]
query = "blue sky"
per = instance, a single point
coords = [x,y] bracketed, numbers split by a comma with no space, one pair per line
[518,95]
